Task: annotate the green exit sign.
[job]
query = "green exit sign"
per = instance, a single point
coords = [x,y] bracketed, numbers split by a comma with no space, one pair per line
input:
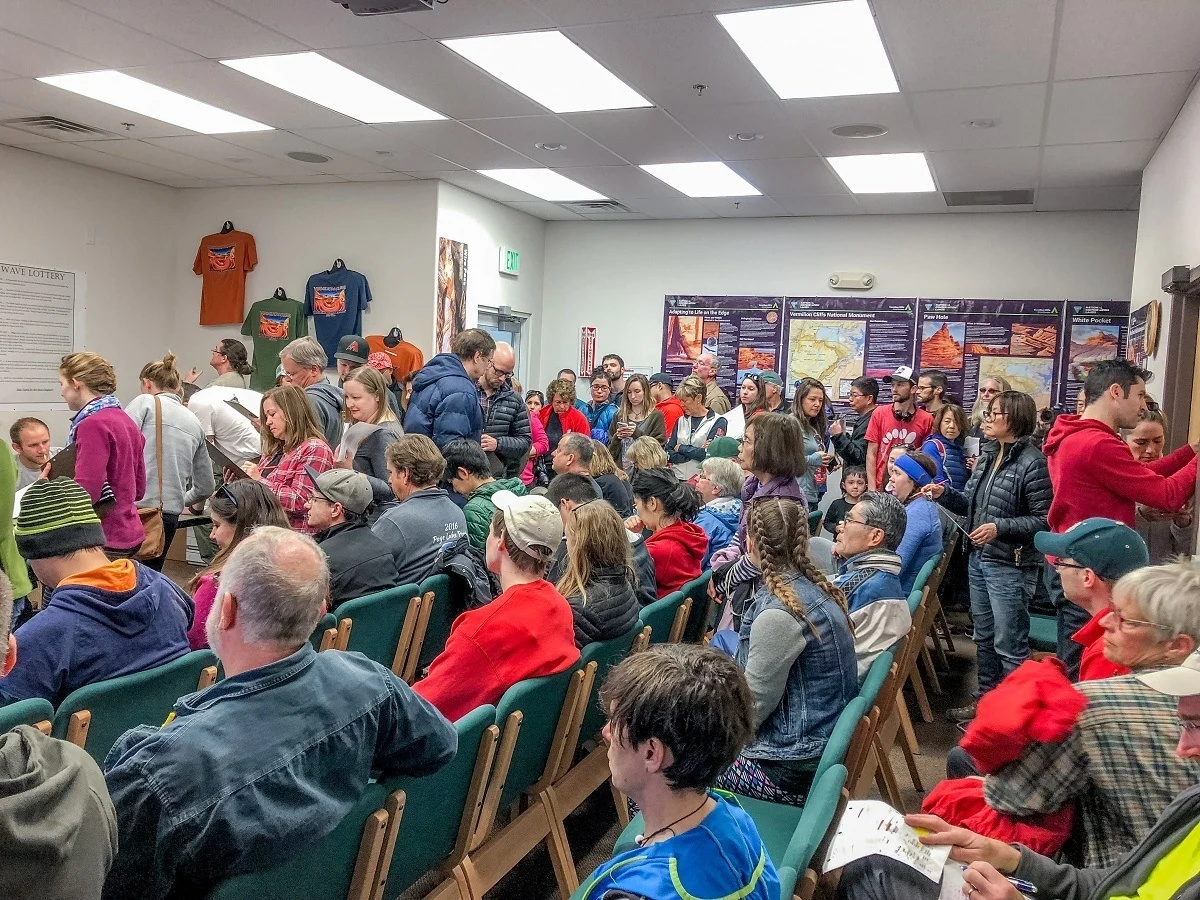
[510,261]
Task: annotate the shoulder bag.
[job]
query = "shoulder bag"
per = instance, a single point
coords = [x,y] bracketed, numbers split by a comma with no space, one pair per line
[155,542]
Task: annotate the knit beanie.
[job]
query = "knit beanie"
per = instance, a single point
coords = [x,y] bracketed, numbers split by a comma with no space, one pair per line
[56,518]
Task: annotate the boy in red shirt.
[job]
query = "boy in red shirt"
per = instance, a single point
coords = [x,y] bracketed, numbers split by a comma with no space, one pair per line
[900,425]
[526,632]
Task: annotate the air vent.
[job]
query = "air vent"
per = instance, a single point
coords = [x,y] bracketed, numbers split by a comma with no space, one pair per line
[989,198]
[54,126]
[598,206]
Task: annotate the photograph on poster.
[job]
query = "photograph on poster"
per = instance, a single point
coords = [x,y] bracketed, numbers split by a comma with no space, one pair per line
[1091,344]
[684,338]
[451,317]
[942,345]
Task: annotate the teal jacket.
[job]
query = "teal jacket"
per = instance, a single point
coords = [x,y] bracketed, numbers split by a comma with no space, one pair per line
[10,560]
[480,509]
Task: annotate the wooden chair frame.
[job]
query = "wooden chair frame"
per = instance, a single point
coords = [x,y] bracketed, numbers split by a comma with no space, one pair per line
[404,660]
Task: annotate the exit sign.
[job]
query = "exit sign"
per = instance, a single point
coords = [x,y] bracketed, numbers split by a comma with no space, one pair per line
[510,261]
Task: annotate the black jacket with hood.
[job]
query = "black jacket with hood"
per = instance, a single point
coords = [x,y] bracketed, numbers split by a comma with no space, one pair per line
[610,608]
[359,562]
[506,418]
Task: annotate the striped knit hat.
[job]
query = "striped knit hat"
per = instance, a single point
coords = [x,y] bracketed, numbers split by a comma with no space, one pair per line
[57,518]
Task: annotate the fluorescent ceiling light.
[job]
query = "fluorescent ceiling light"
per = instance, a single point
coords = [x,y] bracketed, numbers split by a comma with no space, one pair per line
[135,95]
[884,173]
[703,179]
[321,80]
[544,183]
[817,50]
[549,69]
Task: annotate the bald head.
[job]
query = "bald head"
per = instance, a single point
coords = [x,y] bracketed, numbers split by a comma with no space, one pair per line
[504,363]
[705,367]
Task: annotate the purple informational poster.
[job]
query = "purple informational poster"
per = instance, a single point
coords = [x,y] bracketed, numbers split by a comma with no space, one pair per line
[839,339]
[743,333]
[1135,350]
[1092,331]
[970,340]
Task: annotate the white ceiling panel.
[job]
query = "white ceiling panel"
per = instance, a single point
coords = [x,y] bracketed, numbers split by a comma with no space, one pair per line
[779,125]
[462,18]
[985,170]
[588,12]
[456,142]
[84,33]
[806,177]
[42,99]
[280,143]
[307,179]
[325,24]
[621,182]
[13,137]
[818,115]
[743,207]
[642,136]
[151,154]
[522,134]
[217,151]
[1059,199]
[365,142]
[484,186]
[1017,112]
[544,210]
[384,176]
[89,157]
[821,206]
[1128,108]
[940,44]
[902,204]
[677,207]
[1119,37]
[32,59]
[1088,165]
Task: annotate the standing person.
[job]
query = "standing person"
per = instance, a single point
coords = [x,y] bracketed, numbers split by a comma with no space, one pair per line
[382,363]
[751,400]
[599,583]
[359,562]
[613,483]
[109,464]
[366,401]
[445,401]
[1005,504]
[809,408]
[852,447]
[854,485]
[291,444]
[666,507]
[303,362]
[230,360]
[1094,474]
[931,391]
[600,410]
[688,444]
[352,351]
[989,389]
[232,431]
[507,434]
[159,409]
[470,475]
[636,417]
[31,443]
[14,568]
[898,425]
[561,416]
[662,392]
[1167,534]
[912,471]
[705,368]
[772,386]
[534,401]
[945,445]
[614,368]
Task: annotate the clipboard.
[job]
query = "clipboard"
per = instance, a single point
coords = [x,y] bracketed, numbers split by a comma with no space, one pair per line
[62,463]
[223,460]
[236,404]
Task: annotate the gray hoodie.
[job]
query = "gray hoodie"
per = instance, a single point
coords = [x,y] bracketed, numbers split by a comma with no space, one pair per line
[327,401]
[185,456]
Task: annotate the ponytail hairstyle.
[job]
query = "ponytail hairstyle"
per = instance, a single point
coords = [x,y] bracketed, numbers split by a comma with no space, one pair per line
[163,375]
[235,352]
[679,499]
[779,530]
[596,539]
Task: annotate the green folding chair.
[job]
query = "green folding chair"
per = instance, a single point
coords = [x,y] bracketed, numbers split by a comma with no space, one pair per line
[925,571]
[814,521]
[34,711]
[1043,633]
[876,676]
[381,626]
[816,823]
[438,616]
[700,614]
[666,618]
[606,654]
[96,715]
[324,636]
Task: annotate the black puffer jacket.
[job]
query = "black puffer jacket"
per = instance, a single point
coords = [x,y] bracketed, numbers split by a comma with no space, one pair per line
[611,608]
[1017,499]
[506,418]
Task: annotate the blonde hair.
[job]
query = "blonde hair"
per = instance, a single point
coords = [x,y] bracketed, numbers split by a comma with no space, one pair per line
[92,370]
[371,380]
[627,413]
[162,374]
[646,453]
[300,424]
[692,387]
[602,462]
[595,540]
[980,407]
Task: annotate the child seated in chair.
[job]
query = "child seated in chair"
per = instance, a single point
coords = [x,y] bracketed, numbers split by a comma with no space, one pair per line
[678,715]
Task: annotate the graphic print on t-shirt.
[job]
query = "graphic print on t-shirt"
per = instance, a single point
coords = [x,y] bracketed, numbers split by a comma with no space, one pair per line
[222,259]
[274,325]
[329,301]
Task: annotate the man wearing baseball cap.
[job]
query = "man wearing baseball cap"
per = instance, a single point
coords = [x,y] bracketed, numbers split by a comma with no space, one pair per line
[1090,557]
[359,562]
[773,388]
[662,392]
[898,425]
[528,631]
[352,352]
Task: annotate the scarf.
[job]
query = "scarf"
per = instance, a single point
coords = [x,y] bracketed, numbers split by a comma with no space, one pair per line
[859,568]
[105,401]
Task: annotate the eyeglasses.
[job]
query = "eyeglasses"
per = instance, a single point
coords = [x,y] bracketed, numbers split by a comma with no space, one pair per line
[1121,621]
[988,415]
[1188,725]
[500,371]
[1151,406]
[219,351]
[1066,565]
[226,494]
[863,523]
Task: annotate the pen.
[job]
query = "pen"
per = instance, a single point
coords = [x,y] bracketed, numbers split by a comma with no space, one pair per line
[1020,884]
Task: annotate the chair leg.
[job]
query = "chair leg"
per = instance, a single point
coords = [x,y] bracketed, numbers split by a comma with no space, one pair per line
[939,652]
[560,849]
[935,683]
[911,762]
[922,700]
[906,730]
[890,787]
[942,627]
[622,804]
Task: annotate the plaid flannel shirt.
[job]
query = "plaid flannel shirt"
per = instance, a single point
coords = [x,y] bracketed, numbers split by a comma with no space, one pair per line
[1118,763]
[291,484]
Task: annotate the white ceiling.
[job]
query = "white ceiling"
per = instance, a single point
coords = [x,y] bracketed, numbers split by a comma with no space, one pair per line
[1081,92]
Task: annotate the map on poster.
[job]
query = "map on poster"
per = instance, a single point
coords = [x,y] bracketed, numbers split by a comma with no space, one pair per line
[1027,375]
[827,350]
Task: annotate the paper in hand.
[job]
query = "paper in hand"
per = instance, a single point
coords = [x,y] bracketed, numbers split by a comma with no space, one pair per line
[353,437]
[872,828]
[223,460]
[971,446]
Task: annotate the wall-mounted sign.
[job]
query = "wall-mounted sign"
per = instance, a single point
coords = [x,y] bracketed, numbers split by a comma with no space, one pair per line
[510,261]
[587,350]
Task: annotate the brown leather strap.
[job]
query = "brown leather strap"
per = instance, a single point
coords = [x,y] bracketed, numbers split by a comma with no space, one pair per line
[158,445]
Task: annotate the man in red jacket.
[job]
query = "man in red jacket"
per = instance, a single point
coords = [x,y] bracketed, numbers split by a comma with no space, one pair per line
[1094,474]
[662,393]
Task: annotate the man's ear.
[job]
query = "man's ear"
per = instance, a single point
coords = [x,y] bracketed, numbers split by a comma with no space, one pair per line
[11,659]
[656,756]
[463,474]
[337,510]
[229,612]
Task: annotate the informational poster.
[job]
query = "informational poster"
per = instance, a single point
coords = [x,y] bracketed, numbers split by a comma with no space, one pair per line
[1093,331]
[743,333]
[43,323]
[1135,350]
[970,340]
[839,339]
[451,314]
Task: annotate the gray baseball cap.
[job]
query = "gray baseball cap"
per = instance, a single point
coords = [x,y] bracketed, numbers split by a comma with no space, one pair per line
[533,523]
[344,486]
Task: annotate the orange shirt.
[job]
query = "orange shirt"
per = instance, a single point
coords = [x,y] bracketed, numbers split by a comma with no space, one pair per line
[223,260]
[405,357]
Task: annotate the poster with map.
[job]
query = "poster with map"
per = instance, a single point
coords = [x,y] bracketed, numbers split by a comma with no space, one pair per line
[743,333]
[1092,331]
[970,340]
[838,339]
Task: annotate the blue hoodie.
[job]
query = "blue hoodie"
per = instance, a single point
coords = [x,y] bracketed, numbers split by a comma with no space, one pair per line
[87,634]
[445,402]
[719,519]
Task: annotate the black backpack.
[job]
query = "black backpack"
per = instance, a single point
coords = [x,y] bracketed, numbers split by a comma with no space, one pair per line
[466,566]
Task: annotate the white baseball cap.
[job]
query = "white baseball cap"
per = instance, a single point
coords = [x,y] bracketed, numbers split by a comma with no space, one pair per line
[532,522]
[903,373]
[1182,680]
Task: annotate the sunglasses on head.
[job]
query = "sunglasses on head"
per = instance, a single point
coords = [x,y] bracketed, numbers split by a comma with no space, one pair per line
[226,494]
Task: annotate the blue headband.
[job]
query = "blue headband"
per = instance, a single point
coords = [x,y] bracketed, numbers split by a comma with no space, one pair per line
[913,470]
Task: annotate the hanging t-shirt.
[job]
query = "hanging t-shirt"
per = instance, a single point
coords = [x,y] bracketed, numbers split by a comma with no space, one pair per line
[336,301]
[223,261]
[273,324]
[406,358]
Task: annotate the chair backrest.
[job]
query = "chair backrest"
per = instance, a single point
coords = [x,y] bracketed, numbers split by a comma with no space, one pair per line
[95,715]
[814,521]
[33,711]
[438,618]
[819,811]
[925,571]
[606,654]
[839,739]
[697,623]
[540,701]
[876,675]
[440,809]
[321,639]
[374,625]
[660,616]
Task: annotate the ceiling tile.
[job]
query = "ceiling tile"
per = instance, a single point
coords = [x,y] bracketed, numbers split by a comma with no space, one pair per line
[438,78]
[456,142]
[151,154]
[1128,108]
[805,177]
[521,134]
[42,99]
[381,176]
[1089,165]
[280,143]
[306,179]
[32,59]
[821,206]
[743,207]
[985,170]
[217,151]
[242,181]
[642,136]
[82,32]
[663,58]
[462,18]
[1137,38]
[1017,112]
[324,24]
[621,182]
[89,157]
[717,6]
[1055,199]
[586,12]
[13,137]
[484,186]
[820,114]
[364,141]
[782,136]
[902,204]
[544,210]
[677,207]
[936,44]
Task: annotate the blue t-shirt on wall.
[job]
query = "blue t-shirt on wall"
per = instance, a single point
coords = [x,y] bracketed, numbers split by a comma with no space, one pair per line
[336,301]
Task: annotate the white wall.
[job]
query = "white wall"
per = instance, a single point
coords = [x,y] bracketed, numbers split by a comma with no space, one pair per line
[47,206]
[1168,232]
[614,275]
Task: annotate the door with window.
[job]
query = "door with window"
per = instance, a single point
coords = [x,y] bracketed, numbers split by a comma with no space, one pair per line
[505,324]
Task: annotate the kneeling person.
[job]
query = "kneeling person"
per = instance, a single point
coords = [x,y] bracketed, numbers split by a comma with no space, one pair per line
[359,562]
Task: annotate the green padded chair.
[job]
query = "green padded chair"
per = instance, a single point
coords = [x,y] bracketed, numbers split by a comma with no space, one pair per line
[814,521]
[373,625]
[96,715]
[540,701]
[914,600]
[876,676]
[606,654]
[788,879]
[697,622]
[25,712]
[328,621]
[925,572]
[815,822]
[441,617]
[1043,633]
[660,616]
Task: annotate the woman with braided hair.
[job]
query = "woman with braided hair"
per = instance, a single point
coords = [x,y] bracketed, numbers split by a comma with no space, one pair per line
[797,649]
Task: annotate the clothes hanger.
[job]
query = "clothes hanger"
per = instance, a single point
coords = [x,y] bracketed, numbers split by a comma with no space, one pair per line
[227,227]
[280,294]
[393,337]
[337,264]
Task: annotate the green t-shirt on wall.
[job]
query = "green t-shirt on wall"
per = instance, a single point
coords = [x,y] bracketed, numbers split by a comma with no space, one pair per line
[273,324]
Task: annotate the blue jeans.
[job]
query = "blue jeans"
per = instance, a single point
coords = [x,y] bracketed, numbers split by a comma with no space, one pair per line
[1000,596]
[1070,619]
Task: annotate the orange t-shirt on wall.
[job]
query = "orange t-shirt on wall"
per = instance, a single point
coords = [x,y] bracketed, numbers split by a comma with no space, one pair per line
[406,358]
[223,261]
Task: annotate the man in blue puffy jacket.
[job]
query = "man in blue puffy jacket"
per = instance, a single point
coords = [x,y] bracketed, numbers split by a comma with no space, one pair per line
[445,401]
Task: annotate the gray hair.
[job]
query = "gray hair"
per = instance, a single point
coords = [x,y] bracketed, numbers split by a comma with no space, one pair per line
[305,352]
[885,512]
[725,474]
[578,445]
[1167,595]
[281,580]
